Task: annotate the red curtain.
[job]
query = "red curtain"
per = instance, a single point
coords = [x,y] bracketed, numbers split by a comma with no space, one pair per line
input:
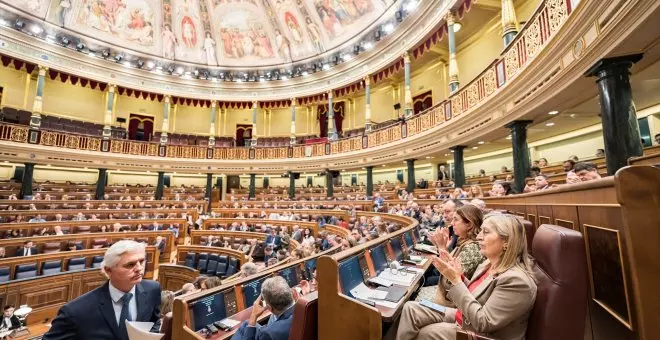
[140,127]
[422,102]
[322,116]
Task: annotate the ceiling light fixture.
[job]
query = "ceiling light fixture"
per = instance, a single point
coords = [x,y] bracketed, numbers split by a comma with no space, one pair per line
[368,45]
[549,124]
[552,113]
[150,64]
[36,29]
[326,66]
[127,64]
[457,27]
[388,28]
[475,147]
[80,46]
[411,5]
[481,142]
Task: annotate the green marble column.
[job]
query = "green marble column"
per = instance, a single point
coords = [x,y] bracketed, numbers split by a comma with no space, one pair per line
[253,180]
[521,162]
[459,167]
[370,181]
[292,185]
[410,163]
[160,185]
[101,183]
[26,184]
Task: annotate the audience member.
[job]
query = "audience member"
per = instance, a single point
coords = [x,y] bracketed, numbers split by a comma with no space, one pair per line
[277,295]
[600,152]
[502,308]
[586,171]
[166,302]
[543,163]
[248,269]
[28,249]
[210,282]
[9,320]
[443,175]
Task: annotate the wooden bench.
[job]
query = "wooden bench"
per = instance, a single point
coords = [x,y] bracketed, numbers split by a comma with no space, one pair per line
[200,237]
[96,204]
[227,222]
[102,214]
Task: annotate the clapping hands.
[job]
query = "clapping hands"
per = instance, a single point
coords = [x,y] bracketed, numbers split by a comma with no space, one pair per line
[440,238]
[448,266]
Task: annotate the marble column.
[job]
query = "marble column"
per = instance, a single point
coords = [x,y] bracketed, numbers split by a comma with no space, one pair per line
[253,142]
[160,185]
[166,117]
[214,110]
[332,128]
[407,93]
[253,183]
[26,182]
[410,164]
[37,106]
[209,190]
[292,141]
[617,110]
[367,112]
[453,64]
[521,162]
[292,185]
[509,22]
[109,108]
[370,181]
[101,183]
[459,166]
[329,183]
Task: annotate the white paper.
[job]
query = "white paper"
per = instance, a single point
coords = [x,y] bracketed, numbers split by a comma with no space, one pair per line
[138,330]
[388,304]
[230,322]
[404,280]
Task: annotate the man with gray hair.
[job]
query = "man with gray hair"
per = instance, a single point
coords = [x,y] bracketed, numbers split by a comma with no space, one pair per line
[102,312]
[248,269]
[278,297]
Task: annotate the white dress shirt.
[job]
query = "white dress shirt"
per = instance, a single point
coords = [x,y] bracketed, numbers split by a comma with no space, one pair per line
[6,323]
[116,295]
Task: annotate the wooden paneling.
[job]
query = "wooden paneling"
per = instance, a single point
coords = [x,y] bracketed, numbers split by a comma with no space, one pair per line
[172,276]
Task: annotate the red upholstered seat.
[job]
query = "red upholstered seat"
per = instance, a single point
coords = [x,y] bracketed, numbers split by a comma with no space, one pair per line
[305,317]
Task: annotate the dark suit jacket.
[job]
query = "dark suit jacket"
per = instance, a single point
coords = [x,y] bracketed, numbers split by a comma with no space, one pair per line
[15,323]
[273,239]
[22,251]
[91,315]
[278,330]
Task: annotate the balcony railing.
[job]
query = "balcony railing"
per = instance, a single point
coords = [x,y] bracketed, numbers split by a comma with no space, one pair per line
[533,37]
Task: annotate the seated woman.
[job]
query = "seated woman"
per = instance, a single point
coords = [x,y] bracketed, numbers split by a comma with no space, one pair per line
[496,302]
[466,221]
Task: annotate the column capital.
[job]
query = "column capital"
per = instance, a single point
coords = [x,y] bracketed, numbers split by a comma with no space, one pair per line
[605,66]
[167,98]
[330,94]
[42,70]
[112,88]
[369,167]
[293,101]
[254,104]
[214,103]
[450,18]
[411,159]
[517,124]
[458,147]
[406,57]
[367,80]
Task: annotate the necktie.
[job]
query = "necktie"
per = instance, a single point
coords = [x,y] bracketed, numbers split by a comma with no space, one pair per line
[125,312]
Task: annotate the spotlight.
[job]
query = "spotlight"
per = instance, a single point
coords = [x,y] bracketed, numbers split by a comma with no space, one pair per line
[411,5]
[80,46]
[179,70]
[377,35]
[65,41]
[140,63]
[457,27]
[106,54]
[368,45]
[196,73]
[221,75]
[118,57]
[20,23]
[326,66]
[150,64]
[36,29]
[335,60]
[399,16]
[388,28]
[356,49]
[170,69]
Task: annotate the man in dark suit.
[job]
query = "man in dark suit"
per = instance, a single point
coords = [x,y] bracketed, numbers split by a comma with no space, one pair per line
[443,175]
[9,320]
[279,297]
[28,249]
[101,313]
[273,239]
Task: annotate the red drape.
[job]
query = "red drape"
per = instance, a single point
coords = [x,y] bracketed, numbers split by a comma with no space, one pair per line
[147,130]
[422,102]
[322,116]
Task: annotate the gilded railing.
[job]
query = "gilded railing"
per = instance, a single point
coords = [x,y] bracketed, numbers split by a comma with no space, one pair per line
[542,26]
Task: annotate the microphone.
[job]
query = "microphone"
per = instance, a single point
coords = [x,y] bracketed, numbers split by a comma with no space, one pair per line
[395,265]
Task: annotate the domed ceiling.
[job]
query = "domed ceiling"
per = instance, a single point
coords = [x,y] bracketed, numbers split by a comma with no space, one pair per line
[226,33]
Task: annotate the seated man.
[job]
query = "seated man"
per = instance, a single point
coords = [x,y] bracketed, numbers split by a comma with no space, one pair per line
[586,171]
[9,320]
[279,299]
[28,249]
[37,219]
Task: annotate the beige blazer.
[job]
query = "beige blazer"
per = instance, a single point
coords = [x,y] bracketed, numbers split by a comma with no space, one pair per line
[499,307]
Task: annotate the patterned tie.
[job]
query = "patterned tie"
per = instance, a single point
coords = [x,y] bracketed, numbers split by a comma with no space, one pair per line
[125,313]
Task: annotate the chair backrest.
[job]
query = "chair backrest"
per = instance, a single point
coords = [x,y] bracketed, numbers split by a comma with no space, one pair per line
[305,316]
[52,247]
[203,262]
[26,270]
[96,261]
[232,268]
[190,260]
[561,272]
[529,233]
[51,267]
[221,270]
[166,326]
[4,274]
[212,264]
[76,263]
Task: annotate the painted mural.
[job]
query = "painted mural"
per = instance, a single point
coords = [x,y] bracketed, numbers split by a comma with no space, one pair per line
[214,32]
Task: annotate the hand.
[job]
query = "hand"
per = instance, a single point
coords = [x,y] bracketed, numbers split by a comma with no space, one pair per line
[257,310]
[448,267]
[440,238]
[305,286]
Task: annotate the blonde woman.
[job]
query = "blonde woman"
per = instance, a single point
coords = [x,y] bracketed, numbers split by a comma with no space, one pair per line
[505,285]
[475,192]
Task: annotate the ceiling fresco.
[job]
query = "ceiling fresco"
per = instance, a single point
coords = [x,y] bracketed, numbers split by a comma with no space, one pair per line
[226,33]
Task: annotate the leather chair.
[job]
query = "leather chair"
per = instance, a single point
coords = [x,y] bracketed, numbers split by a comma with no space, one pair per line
[24,271]
[305,318]
[529,233]
[83,229]
[190,260]
[51,267]
[221,269]
[212,265]
[76,263]
[4,274]
[96,261]
[203,262]
[99,243]
[166,326]
[232,267]
[560,308]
